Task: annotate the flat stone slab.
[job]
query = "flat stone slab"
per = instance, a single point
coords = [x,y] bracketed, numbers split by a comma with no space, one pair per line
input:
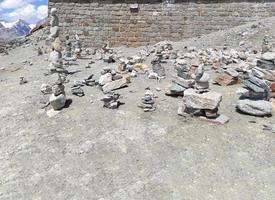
[255,108]
[220,120]
[108,87]
[208,100]
[187,83]
[225,79]
[269,56]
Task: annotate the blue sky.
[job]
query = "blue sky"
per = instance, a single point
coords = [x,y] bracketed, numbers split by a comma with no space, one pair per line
[28,10]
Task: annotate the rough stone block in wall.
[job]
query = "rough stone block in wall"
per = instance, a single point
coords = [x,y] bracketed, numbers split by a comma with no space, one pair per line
[119,22]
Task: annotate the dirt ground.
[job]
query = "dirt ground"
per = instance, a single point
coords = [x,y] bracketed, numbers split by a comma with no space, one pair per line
[90,152]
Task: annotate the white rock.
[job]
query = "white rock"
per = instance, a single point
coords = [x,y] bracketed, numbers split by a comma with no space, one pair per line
[269,56]
[46,89]
[133,74]
[54,57]
[153,75]
[105,78]
[208,100]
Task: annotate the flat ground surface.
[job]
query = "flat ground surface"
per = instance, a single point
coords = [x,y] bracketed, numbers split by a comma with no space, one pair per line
[89,152]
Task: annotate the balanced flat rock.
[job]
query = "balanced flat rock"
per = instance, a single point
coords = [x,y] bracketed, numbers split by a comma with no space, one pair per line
[208,100]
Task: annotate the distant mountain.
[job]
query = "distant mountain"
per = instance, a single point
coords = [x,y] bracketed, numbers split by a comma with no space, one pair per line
[14,30]
[19,27]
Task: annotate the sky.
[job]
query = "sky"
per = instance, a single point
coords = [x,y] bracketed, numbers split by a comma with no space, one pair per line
[29,10]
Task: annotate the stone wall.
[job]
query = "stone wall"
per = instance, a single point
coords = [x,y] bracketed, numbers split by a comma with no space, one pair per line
[120,23]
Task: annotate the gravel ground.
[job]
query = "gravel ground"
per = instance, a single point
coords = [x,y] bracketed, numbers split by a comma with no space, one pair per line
[89,152]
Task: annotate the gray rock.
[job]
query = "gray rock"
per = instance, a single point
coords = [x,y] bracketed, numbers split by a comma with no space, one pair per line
[180,61]
[46,89]
[177,88]
[113,85]
[232,72]
[57,102]
[208,100]
[159,69]
[269,56]
[78,91]
[54,32]
[22,80]
[58,89]
[255,108]
[111,101]
[265,64]
[187,83]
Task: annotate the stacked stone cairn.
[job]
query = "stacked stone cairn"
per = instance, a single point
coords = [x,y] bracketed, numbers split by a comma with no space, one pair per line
[189,75]
[157,67]
[111,100]
[254,97]
[58,97]
[166,50]
[78,47]
[266,47]
[68,48]
[111,80]
[147,101]
[54,24]
[259,88]
[192,82]
[106,54]
[56,61]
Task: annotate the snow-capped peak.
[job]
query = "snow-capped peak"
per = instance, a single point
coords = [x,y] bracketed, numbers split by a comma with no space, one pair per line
[32,26]
[8,25]
[20,27]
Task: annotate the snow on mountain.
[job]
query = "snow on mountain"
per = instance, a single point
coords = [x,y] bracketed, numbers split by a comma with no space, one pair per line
[19,27]
[32,26]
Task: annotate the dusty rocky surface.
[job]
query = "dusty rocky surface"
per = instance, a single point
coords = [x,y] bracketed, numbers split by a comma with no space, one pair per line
[90,152]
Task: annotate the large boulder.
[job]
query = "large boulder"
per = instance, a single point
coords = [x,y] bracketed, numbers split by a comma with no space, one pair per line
[208,100]
[255,108]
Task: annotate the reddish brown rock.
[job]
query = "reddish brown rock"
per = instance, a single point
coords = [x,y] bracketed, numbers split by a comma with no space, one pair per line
[225,79]
[272,87]
[216,65]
